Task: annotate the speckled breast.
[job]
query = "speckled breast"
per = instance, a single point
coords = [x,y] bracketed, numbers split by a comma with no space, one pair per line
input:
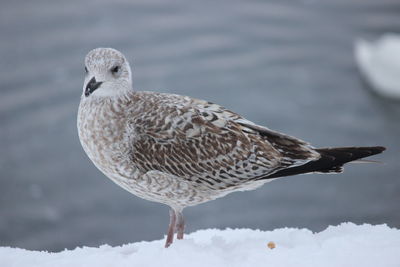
[101,132]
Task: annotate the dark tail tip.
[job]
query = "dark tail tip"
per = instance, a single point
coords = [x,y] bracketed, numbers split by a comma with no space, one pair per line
[332,160]
[341,155]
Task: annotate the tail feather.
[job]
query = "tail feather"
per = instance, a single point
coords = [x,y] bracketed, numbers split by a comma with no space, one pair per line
[332,160]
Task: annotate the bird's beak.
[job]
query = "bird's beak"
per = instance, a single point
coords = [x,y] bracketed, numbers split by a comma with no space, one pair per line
[92,86]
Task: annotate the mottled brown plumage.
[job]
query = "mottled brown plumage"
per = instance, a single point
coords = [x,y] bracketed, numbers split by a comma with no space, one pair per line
[182,151]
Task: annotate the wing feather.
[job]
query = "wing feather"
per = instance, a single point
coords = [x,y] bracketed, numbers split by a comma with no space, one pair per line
[206,143]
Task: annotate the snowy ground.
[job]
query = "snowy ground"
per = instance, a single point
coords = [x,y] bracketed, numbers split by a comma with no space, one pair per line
[344,245]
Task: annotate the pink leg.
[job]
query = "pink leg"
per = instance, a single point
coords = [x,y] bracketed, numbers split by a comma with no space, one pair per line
[180,225]
[171,228]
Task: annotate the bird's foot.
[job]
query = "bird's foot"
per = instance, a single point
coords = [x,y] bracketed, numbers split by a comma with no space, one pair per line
[180,225]
[176,223]
[171,228]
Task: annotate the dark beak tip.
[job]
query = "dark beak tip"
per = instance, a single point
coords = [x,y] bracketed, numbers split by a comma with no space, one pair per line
[92,86]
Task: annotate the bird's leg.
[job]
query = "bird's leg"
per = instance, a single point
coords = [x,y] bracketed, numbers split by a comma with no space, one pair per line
[171,228]
[180,225]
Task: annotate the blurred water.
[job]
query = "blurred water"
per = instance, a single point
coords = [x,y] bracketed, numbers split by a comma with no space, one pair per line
[285,64]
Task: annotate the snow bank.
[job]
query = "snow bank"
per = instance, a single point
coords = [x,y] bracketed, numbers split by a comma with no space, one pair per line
[379,62]
[344,245]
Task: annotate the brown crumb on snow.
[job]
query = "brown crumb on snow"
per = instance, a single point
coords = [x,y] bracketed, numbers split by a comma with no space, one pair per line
[271,245]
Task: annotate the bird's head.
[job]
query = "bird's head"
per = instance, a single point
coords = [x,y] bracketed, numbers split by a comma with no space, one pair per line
[107,73]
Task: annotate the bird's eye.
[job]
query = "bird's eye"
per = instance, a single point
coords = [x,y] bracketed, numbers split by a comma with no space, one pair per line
[86,70]
[115,69]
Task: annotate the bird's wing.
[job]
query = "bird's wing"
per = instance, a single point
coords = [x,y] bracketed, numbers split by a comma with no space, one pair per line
[206,143]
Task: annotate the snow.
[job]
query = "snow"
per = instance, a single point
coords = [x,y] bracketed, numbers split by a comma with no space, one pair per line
[343,245]
[379,62]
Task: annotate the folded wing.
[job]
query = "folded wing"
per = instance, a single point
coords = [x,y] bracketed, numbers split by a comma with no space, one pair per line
[208,144]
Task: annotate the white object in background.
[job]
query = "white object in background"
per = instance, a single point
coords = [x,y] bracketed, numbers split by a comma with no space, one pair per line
[379,62]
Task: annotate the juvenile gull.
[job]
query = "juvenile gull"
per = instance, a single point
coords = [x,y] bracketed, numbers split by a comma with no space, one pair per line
[182,151]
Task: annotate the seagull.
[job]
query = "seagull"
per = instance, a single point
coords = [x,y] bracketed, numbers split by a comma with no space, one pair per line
[181,151]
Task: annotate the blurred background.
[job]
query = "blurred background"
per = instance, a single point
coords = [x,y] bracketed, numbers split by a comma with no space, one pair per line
[286,64]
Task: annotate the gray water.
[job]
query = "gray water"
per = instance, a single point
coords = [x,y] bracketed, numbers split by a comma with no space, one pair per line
[288,65]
